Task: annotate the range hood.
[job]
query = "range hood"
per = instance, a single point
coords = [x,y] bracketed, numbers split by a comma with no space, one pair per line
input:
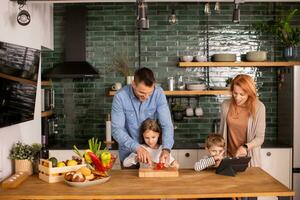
[75,65]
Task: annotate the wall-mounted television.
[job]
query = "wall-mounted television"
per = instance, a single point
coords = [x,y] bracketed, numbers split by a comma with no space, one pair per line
[19,67]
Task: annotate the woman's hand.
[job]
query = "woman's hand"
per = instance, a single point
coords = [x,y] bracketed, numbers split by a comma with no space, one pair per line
[241,151]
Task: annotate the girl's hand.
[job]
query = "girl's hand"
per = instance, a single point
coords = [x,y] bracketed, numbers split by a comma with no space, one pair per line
[241,152]
[164,157]
[174,165]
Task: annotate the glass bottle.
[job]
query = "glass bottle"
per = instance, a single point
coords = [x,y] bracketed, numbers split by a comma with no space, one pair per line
[44,150]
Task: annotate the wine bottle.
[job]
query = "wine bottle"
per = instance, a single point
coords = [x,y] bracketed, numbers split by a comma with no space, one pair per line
[44,150]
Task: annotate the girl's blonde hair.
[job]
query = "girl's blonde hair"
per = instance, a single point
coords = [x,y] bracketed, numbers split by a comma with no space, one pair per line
[150,125]
[248,85]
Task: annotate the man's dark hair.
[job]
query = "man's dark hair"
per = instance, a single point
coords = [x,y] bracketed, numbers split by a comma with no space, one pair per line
[144,75]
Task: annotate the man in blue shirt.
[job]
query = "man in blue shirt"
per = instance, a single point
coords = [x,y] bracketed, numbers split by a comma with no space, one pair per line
[131,106]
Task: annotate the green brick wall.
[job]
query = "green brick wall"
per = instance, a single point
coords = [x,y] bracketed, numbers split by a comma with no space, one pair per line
[81,104]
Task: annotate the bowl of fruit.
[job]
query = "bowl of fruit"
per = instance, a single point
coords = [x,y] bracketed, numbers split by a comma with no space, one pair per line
[98,163]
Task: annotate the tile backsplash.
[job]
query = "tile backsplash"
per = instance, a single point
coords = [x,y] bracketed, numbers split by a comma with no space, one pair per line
[81,104]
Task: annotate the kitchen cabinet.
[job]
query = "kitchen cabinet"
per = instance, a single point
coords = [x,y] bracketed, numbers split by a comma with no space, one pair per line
[278,163]
[188,157]
[238,64]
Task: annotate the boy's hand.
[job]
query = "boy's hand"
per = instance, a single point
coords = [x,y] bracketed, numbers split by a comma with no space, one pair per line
[218,158]
[143,155]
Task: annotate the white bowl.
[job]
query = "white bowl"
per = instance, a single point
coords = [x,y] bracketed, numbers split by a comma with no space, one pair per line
[186,58]
[200,58]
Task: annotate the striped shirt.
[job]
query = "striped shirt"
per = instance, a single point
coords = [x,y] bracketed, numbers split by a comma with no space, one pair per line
[204,163]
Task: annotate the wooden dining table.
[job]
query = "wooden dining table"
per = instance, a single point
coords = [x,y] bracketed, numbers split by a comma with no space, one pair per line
[125,184]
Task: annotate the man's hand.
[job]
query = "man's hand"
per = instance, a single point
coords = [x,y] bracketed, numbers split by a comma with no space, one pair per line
[143,155]
[164,156]
[242,151]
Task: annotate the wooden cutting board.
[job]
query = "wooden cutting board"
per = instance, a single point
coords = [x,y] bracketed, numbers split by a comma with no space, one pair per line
[15,180]
[167,172]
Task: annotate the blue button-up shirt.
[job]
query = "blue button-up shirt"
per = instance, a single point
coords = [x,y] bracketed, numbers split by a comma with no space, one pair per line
[128,113]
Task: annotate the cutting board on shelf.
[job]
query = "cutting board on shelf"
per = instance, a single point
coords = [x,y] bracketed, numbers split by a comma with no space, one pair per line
[166,172]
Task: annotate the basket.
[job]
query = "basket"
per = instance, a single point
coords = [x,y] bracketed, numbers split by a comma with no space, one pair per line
[55,174]
[23,166]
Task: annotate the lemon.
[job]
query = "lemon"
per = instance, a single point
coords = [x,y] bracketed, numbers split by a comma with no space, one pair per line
[71,162]
[61,164]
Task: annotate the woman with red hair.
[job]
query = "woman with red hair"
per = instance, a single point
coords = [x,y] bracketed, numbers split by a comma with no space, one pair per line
[243,120]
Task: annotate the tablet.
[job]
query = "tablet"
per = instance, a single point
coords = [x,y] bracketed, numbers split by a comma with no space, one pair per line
[229,166]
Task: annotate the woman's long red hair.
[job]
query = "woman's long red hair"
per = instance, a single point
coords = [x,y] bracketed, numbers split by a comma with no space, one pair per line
[248,85]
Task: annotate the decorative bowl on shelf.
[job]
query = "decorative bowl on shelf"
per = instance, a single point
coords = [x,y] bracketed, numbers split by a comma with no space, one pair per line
[224,57]
[256,56]
[186,58]
[196,86]
[219,88]
[200,58]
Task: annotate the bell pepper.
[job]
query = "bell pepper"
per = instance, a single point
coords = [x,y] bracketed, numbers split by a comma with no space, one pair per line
[97,162]
[159,166]
[87,157]
[106,158]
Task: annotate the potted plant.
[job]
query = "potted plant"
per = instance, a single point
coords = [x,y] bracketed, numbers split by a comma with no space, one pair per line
[121,63]
[23,154]
[178,112]
[288,36]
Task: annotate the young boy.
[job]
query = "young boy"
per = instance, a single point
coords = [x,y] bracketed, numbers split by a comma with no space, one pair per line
[214,145]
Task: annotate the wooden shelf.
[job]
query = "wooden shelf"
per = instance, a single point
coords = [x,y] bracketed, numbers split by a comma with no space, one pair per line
[46,83]
[189,92]
[47,113]
[238,64]
[17,79]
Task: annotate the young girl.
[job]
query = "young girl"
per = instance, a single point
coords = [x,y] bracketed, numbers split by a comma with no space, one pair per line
[150,135]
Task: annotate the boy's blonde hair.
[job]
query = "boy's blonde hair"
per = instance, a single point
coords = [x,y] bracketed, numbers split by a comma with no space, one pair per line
[214,139]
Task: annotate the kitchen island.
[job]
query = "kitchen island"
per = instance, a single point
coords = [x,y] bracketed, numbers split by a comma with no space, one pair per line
[125,184]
